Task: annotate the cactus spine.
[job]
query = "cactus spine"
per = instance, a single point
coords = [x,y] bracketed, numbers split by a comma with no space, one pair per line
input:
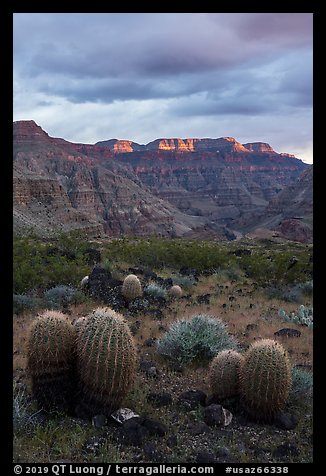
[50,360]
[175,291]
[106,361]
[131,287]
[265,378]
[224,373]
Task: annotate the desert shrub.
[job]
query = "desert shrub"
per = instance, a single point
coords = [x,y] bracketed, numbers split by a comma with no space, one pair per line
[20,408]
[303,316]
[155,290]
[185,282]
[302,385]
[197,339]
[61,296]
[22,303]
[37,263]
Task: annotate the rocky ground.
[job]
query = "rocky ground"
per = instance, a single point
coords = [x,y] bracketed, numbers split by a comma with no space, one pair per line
[178,420]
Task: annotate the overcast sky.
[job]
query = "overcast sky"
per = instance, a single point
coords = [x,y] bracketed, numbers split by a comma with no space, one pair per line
[88,77]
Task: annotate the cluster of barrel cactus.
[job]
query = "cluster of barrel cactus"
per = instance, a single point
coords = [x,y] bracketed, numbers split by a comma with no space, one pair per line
[261,376]
[96,356]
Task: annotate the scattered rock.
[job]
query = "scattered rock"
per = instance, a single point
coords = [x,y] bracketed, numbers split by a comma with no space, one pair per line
[251,327]
[223,453]
[216,415]
[93,256]
[151,452]
[93,444]
[150,342]
[231,298]
[159,399]
[198,428]
[123,414]
[134,328]
[285,421]
[99,421]
[185,271]
[192,398]
[288,332]
[172,441]
[148,275]
[155,428]
[286,449]
[204,457]
[204,299]
[132,432]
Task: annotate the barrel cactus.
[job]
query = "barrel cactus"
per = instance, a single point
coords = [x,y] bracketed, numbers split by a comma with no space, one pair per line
[265,378]
[106,361]
[175,291]
[79,323]
[131,287]
[50,360]
[224,374]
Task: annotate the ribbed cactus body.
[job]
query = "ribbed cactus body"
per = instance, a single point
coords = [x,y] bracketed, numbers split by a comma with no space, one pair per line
[265,378]
[51,360]
[131,287]
[175,291]
[224,374]
[106,361]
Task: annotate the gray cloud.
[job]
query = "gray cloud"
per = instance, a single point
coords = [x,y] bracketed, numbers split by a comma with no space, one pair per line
[195,65]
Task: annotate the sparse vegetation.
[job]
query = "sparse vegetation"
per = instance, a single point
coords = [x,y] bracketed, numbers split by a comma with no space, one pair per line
[238,299]
[155,290]
[303,316]
[195,339]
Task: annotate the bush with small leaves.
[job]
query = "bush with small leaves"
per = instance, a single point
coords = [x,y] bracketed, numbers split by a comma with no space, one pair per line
[155,290]
[106,361]
[131,287]
[265,379]
[51,359]
[61,296]
[199,338]
[23,303]
[224,373]
[302,385]
[185,282]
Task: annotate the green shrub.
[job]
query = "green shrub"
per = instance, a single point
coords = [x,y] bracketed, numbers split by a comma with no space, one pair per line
[20,408]
[155,290]
[37,263]
[22,303]
[185,282]
[62,295]
[197,339]
[302,385]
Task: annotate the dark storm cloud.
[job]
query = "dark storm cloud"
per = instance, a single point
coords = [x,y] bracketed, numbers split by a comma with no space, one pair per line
[186,64]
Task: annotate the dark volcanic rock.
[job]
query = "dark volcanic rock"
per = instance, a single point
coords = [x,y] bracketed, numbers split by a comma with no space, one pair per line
[288,332]
[285,421]
[159,399]
[192,398]
[155,428]
[216,415]
[286,449]
[204,457]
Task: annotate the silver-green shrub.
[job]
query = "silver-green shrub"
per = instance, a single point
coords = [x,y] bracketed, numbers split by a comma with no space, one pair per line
[155,290]
[302,385]
[199,338]
[62,295]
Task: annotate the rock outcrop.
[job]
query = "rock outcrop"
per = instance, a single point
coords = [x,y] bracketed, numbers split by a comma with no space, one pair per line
[170,187]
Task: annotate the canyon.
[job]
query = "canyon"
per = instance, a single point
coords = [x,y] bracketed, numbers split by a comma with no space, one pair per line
[196,188]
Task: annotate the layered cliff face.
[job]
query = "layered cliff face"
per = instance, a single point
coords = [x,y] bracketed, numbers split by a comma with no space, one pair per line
[170,187]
